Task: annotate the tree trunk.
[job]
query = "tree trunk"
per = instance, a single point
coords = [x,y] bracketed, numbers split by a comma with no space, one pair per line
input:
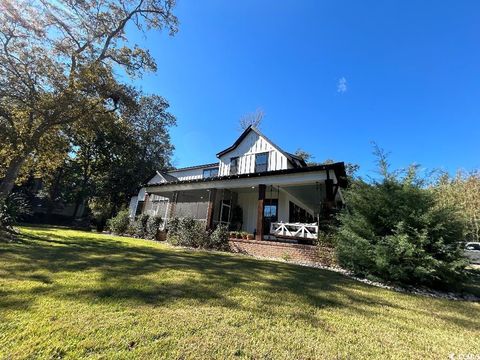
[82,196]
[53,193]
[13,169]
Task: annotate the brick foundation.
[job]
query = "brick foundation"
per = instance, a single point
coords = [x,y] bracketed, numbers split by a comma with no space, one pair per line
[274,249]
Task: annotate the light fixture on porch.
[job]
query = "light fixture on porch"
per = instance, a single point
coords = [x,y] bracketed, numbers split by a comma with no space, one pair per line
[253,187]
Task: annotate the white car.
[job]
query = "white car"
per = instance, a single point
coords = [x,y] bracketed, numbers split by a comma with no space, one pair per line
[472,252]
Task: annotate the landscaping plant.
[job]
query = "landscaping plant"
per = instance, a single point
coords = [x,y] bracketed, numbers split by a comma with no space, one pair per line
[140,225]
[119,224]
[218,239]
[191,233]
[393,229]
[12,209]
[186,232]
[153,224]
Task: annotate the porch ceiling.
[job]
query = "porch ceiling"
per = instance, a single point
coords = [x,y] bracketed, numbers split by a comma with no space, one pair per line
[311,195]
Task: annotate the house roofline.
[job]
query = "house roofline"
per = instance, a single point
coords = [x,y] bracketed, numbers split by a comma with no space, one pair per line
[237,142]
[203,166]
[338,168]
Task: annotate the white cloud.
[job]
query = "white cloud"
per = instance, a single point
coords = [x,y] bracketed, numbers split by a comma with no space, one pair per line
[342,85]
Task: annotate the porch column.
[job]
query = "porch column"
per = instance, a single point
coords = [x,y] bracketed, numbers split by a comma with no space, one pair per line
[211,204]
[261,202]
[173,203]
[144,205]
[329,194]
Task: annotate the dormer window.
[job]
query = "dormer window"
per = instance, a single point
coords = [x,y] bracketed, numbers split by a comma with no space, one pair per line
[261,162]
[234,165]
[208,173]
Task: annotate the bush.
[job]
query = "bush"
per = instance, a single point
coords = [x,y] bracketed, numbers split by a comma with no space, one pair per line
[173,231]
[12,209]
[140,225]
[218,239]
[394,230]
[153,225]
[119,224]
[144,226]
[191,233]
[186,232]
[325,238]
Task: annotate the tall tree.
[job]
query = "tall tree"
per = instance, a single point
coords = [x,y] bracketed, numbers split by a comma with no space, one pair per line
[57,61]
[113,154]
[462,192]
[306,156]
[150,121]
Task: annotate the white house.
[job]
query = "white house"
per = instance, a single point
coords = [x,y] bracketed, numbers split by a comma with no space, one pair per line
[255,187]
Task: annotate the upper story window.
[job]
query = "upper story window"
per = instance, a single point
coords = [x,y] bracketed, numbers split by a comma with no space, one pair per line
[261,162]
[234,165]
[208,173]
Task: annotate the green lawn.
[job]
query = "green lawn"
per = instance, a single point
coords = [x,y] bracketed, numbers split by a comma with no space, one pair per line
[71,294]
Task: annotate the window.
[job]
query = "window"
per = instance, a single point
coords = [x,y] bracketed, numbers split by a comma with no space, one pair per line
[270,214]
[261,162]
[234,165]
[225,211]
[208,173]
[270,209]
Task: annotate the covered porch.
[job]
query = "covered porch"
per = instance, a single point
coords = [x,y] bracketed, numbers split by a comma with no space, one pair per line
[285,206]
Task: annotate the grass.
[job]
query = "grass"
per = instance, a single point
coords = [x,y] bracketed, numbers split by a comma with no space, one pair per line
[71,294]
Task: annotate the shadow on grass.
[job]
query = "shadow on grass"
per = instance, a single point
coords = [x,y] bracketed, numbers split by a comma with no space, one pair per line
[156,276]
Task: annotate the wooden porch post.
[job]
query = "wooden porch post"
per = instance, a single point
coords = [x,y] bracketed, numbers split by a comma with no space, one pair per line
[144,205]
[211,204]
[261,202]
[173,204]
[329,194]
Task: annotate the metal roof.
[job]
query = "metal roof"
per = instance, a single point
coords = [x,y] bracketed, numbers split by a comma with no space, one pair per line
[204,166]
[338,168]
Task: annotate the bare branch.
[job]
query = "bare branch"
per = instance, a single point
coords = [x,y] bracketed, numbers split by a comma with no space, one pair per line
[252,119]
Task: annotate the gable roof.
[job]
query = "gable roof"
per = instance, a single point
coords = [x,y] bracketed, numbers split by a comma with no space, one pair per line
[294,160]
[167,176]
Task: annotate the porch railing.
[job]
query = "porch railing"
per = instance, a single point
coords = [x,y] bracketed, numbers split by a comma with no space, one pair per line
[294,230]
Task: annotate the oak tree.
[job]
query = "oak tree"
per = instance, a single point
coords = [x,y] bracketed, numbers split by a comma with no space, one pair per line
[59,62]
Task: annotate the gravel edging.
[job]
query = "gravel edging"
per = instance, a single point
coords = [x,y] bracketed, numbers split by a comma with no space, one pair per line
[411,290]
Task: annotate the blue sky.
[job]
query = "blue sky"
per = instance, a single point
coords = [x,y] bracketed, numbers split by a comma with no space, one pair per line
[331,76]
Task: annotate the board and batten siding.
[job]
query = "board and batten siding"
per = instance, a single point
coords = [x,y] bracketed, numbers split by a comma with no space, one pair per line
[251,145]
